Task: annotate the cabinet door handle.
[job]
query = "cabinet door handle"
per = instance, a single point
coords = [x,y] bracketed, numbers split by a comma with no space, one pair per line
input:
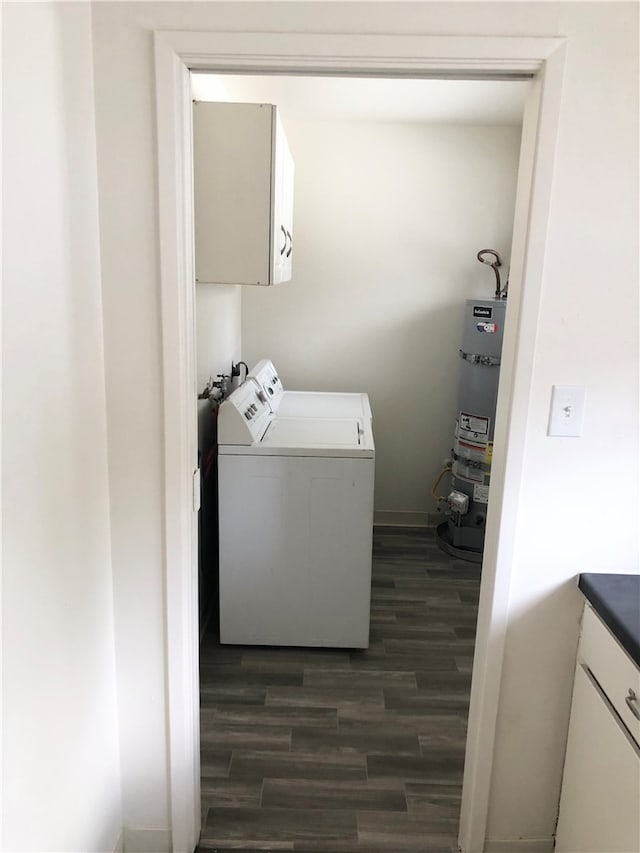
[290,243]
[632,703]
[284,234]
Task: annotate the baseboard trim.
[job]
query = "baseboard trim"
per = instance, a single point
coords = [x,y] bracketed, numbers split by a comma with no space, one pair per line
[119,848]
[521,845]
[146,840]
[391,518]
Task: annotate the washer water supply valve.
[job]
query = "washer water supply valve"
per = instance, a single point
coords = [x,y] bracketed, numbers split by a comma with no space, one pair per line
[458,502]
[216,390]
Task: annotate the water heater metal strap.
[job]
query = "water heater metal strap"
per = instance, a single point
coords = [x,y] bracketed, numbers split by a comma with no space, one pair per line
[472,463]
[473,358]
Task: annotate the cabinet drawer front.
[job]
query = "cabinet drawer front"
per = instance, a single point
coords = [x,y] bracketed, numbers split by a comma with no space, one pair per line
[601,781]
[612,668]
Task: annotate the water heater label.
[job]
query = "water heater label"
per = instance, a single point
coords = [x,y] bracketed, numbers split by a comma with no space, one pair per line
[481,493]
[487,328]
[485,311]
[474,427]
[474,452]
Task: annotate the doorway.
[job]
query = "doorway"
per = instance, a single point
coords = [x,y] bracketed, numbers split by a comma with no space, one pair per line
[400,181]
[176,53]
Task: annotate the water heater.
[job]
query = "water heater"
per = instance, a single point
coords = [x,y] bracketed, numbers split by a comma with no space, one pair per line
[472,452]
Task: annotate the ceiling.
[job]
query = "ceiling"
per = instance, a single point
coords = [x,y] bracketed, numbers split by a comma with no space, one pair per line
[372,99]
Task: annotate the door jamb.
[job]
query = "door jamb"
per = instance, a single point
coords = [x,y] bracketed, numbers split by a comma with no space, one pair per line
[176,54]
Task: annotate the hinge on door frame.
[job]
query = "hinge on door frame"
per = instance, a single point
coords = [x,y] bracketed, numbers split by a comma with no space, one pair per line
[196,503]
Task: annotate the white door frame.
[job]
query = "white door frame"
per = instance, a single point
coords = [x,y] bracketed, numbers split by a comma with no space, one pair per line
[176,53]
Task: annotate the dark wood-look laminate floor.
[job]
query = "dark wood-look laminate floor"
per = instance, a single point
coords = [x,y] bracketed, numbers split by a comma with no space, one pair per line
[339,750]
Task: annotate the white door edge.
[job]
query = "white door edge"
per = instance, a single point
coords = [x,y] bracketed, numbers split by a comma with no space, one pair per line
[176,53]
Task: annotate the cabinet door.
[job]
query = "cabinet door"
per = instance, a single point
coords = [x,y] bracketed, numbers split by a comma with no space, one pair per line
[600,800]
[282,225]
[287,190]
[232,159]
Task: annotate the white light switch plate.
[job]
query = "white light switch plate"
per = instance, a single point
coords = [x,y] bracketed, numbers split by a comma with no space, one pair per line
[567,410]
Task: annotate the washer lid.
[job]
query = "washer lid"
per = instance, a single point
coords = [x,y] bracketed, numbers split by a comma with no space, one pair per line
[313,432]
[324,404]
[309,437]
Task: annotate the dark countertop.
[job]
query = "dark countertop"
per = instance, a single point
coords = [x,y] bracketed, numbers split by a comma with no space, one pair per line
[616,600]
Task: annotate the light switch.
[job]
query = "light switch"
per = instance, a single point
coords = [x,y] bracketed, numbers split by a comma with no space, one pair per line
[567,410]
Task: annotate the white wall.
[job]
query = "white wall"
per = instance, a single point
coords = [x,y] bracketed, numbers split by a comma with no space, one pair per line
[388,220]
[218,330]
[591,251]
[129,256]
[61,778]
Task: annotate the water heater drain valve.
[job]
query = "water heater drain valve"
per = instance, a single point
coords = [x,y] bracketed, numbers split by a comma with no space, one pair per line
[458,502]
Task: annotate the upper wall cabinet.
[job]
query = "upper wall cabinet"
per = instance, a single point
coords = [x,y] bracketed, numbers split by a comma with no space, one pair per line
[243,192]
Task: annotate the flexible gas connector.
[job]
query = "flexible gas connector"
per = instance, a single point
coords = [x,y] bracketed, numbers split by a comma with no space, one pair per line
[439,498]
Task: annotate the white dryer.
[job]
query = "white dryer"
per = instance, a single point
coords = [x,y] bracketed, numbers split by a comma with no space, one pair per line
[303,404]
[296,520]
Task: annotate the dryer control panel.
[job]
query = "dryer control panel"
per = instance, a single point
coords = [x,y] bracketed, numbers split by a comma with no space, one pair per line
[267,377]
[245,415]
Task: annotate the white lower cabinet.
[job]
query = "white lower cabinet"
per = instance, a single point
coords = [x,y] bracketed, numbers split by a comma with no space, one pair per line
[600,799]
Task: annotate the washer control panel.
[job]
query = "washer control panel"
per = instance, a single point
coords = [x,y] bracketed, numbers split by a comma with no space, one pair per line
[245,415]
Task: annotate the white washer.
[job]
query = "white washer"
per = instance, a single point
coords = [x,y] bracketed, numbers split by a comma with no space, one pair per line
[307,404]
[296,520]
